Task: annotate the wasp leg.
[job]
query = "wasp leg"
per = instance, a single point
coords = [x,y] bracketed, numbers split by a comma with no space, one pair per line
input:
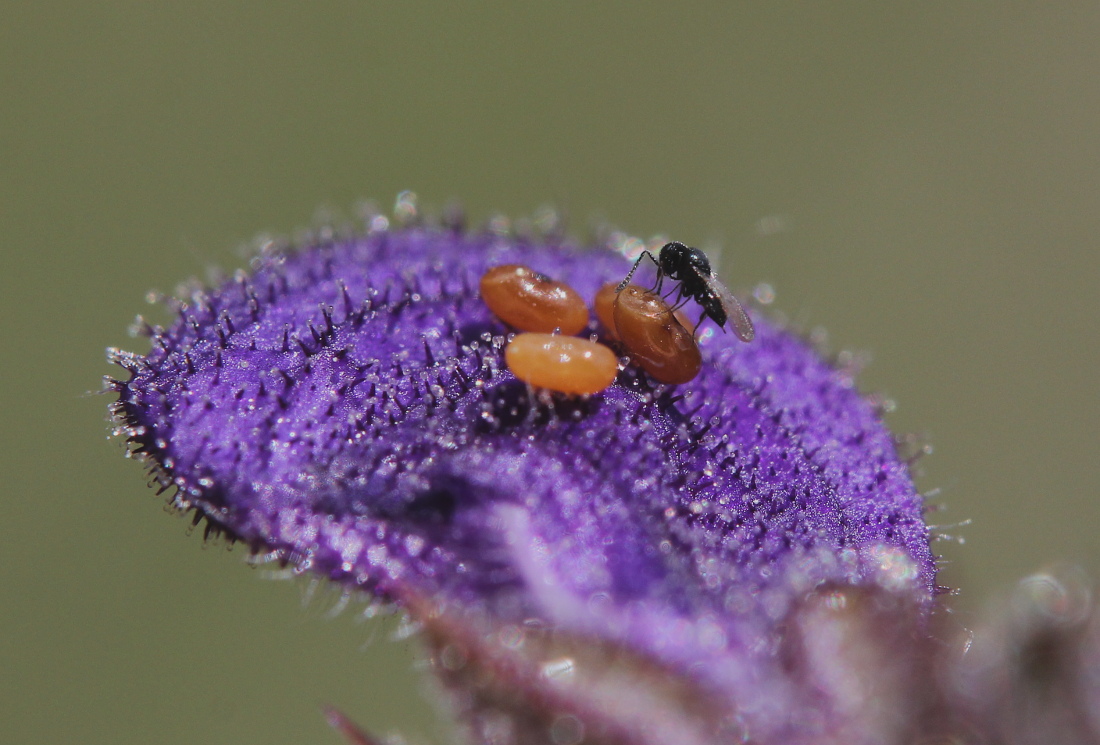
[703,317]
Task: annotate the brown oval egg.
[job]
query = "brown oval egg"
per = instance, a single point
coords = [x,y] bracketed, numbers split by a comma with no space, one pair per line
[529,301]
[654,338]
[605,309]
[565,364]
[604,304]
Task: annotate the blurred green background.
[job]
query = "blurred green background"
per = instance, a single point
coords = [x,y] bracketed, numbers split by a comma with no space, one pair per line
[923,183]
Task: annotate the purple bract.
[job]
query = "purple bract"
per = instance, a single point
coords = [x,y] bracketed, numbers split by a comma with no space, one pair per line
[346,407]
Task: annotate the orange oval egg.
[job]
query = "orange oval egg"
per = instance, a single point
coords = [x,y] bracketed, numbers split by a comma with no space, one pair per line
[605,309]
[604,304]
[565,364]
[529,301]
[654,338]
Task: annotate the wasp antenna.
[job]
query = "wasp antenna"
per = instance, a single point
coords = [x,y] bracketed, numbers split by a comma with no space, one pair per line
[630,274]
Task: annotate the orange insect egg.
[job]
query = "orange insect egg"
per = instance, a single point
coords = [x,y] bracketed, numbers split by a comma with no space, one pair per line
[654,338]
[565,364]
[529,301]
[605,308]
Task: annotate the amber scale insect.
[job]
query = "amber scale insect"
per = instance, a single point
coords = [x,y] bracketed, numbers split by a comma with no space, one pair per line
[530,301]
[566,364]
[654,338]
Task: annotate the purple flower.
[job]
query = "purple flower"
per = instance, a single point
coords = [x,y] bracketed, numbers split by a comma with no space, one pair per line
[650,564]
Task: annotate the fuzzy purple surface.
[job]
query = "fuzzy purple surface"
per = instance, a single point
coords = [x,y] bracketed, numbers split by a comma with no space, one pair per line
[347,407]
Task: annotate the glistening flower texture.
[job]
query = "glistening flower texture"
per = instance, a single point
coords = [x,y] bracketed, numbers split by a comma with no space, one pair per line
[346,406]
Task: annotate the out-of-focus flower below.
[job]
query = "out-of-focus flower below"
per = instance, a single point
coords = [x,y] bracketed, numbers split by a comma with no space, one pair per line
[742,558]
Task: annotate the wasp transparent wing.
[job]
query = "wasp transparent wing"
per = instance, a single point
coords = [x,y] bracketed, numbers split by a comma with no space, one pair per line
[735,315]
